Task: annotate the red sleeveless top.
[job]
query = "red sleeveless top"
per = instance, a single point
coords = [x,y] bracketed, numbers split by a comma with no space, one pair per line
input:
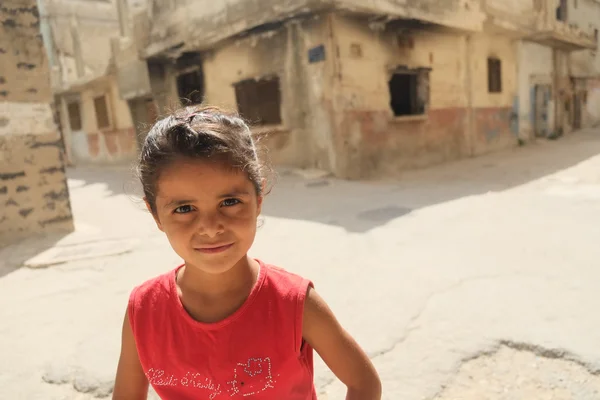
[257,352]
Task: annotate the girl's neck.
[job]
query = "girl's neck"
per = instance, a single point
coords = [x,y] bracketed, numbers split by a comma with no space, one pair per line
[241,277]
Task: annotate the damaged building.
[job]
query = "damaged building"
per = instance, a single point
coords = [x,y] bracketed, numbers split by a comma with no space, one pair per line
[34,197]
[365,89]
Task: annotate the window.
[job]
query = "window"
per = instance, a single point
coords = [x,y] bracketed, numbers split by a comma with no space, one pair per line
[409,91]
[494,75]
[190,87]
[101,108]
[259,100]
[74,114]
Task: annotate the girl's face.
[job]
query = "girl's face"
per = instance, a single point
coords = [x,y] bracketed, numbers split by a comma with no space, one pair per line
[208,211]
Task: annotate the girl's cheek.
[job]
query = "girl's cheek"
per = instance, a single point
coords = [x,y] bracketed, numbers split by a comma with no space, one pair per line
[238,213]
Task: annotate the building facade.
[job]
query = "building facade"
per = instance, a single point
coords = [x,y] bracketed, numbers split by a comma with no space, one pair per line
[585,65]
[95,120]
[34,197]
[361,89]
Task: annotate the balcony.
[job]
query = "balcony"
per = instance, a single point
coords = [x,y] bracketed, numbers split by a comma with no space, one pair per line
[563,36]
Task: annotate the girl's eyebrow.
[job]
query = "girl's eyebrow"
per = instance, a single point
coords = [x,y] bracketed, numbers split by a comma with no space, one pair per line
[235,193]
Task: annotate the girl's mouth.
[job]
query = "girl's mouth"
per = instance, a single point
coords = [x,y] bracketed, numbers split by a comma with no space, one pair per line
[213,249]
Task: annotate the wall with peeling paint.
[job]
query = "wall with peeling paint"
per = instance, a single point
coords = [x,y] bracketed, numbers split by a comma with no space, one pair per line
[34,196]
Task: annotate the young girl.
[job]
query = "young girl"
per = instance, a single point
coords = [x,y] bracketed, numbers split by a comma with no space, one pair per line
[223,324]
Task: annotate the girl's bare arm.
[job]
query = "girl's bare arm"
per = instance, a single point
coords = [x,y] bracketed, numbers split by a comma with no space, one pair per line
[131,382]
[339,350]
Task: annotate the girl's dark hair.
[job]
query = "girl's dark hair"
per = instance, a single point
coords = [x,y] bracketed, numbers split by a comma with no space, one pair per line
[199,133]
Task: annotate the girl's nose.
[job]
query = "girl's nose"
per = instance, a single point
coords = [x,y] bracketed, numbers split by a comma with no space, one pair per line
[210,225]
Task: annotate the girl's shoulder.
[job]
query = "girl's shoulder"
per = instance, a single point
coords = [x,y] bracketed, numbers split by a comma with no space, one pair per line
[285,283]
[153,290]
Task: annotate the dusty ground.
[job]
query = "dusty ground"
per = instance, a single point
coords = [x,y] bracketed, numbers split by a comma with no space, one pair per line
[475,280]
[519,373]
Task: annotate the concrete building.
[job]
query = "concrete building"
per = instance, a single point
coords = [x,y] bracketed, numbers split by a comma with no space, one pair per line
[361,88]
[95,121]
[34,197]
[584,66]
[552,59]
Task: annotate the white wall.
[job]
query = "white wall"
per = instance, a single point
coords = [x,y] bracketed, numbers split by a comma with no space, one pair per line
[535,67]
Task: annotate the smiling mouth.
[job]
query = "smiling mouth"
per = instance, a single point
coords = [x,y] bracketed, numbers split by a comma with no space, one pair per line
[213,249]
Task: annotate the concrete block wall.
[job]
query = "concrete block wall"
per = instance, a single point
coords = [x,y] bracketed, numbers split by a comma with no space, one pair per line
[34,197]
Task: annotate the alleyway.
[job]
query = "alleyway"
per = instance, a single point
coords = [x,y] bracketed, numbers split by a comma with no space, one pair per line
[474,280]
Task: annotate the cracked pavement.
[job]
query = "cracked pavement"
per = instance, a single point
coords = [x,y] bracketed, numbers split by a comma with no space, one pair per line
[449,277]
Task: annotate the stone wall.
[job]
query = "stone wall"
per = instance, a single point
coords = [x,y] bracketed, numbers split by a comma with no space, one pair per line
[34,197]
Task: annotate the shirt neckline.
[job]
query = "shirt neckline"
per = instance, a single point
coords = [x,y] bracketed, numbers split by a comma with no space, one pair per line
[262,271]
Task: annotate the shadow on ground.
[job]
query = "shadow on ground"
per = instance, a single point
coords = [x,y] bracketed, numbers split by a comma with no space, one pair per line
[362,206]
[13,255]
[116,180]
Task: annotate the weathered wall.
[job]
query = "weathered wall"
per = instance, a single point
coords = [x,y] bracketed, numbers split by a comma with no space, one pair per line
[586,16]
[115,143]
[536,67]
[303,139]
[208,22]
[459,14]
[81,29]
[593,102]
[34,197]
[495,114]
[517,16]
[202,23]
[371,141]
[586,63]
[369,138]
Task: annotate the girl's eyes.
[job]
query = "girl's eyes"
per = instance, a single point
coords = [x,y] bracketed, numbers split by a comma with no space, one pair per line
[187,208]
[183,209]
[230,202]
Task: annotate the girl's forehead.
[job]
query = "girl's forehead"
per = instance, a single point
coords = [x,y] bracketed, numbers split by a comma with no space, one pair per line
[200,176]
